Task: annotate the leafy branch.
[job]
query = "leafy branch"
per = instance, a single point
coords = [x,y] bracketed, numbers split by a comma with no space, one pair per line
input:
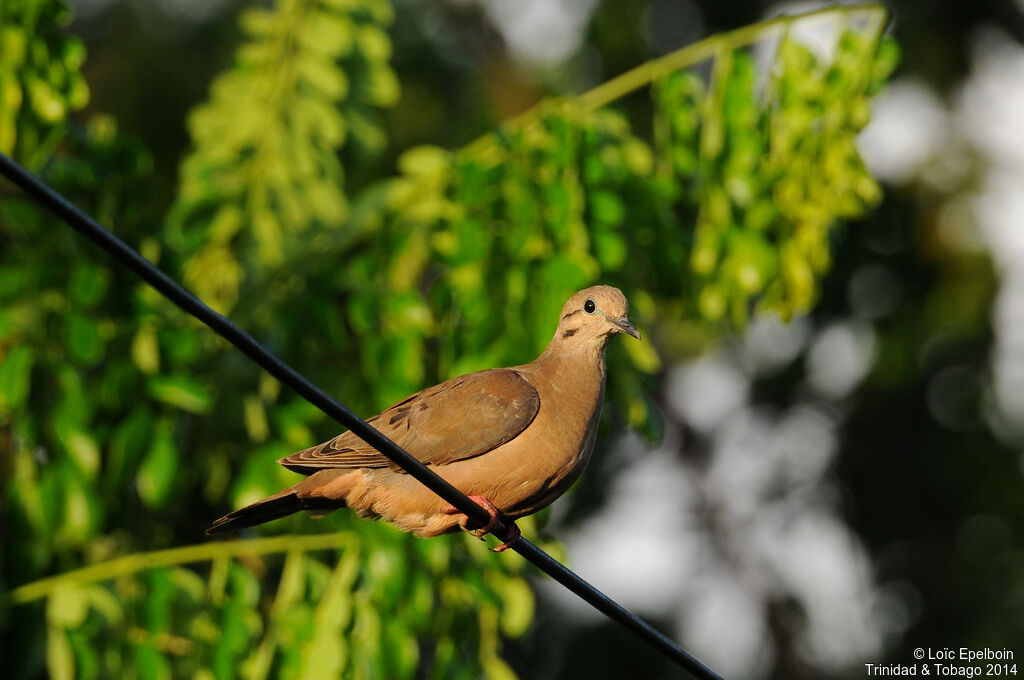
[874,14]
[205,552]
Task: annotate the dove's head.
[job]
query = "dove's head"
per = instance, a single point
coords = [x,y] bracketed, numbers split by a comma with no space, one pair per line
[594,315]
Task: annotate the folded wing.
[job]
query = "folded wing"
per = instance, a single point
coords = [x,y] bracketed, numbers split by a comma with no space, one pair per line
[458,419]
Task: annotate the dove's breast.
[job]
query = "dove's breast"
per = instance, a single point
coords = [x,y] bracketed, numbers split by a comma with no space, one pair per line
[542,463]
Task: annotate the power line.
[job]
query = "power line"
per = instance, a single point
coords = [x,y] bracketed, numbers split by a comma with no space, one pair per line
[56,204]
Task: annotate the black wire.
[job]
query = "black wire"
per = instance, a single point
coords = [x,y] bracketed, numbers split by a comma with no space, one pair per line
[88,227]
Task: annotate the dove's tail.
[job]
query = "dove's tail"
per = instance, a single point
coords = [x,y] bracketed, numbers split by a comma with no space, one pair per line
[318,494]
[273,507]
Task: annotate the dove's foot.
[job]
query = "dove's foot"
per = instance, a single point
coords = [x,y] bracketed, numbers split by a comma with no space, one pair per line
[491,525]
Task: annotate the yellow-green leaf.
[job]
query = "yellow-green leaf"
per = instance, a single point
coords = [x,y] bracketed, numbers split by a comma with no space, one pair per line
[60,661]
[15,369]
[146,350]
[159,470]
[181,391]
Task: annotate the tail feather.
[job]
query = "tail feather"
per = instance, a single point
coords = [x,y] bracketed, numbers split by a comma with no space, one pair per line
[270,508]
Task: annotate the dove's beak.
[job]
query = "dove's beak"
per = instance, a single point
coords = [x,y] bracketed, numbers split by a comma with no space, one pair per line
[625,326]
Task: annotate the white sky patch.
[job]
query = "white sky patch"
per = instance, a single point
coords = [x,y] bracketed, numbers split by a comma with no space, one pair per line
[818,560]
[988,111]
[770,345]
[999,209]
[706,391]
[541,31]
[759,452]
[840,357]
[806,442]
[818,33]
[721,607]
[744,465]
[990,108]
[909,126]
[1008,356]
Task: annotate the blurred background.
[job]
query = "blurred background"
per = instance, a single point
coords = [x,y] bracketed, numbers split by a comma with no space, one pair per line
[813,495]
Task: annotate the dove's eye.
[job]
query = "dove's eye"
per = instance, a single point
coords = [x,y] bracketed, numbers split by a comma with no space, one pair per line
[589,306]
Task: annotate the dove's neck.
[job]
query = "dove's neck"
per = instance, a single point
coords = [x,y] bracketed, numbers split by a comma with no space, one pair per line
[574,360]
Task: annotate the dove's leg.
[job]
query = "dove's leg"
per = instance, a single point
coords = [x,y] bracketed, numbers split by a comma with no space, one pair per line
[491,525]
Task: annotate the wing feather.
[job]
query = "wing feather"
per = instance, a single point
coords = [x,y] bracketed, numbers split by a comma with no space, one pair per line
[458,419]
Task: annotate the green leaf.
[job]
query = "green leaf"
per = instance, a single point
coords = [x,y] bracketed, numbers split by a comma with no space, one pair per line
[374,43]
[51,499]
[400,649]
[159,470]
[255,417]
[83,337]
[886,60]
[127,445]
[496,669]
[13,45]
[292,585]
[181,391]
[424,161]
[643,354]
[182,346]
[15,370]
[47,103]
[517,603]
[712,302]
[606,208]
[88,284]
[611,250]
[385,89]
[322,75]
[388,569]
[325,657]
[151,664]
[83,451]
[87,665]
[67,606]
[752,263]
[328,33]
[258,22]
[15,279]
[81,510]
[60,661]
[146,350]
[325,654]
[103,601]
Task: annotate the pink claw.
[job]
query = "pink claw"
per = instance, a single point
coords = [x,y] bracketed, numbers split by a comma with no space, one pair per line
[491,525]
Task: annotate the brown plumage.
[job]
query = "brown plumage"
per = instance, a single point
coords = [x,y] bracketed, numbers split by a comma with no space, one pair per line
[513,438]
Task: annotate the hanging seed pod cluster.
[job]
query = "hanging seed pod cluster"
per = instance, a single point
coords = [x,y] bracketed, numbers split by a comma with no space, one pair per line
[767,151]
[40,82]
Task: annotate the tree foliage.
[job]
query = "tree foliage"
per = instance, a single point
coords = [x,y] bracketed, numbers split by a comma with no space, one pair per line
[124,427]
[266,169]
[40,82]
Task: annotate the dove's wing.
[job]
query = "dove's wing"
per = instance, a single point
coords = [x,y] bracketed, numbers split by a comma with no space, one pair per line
[458,419]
